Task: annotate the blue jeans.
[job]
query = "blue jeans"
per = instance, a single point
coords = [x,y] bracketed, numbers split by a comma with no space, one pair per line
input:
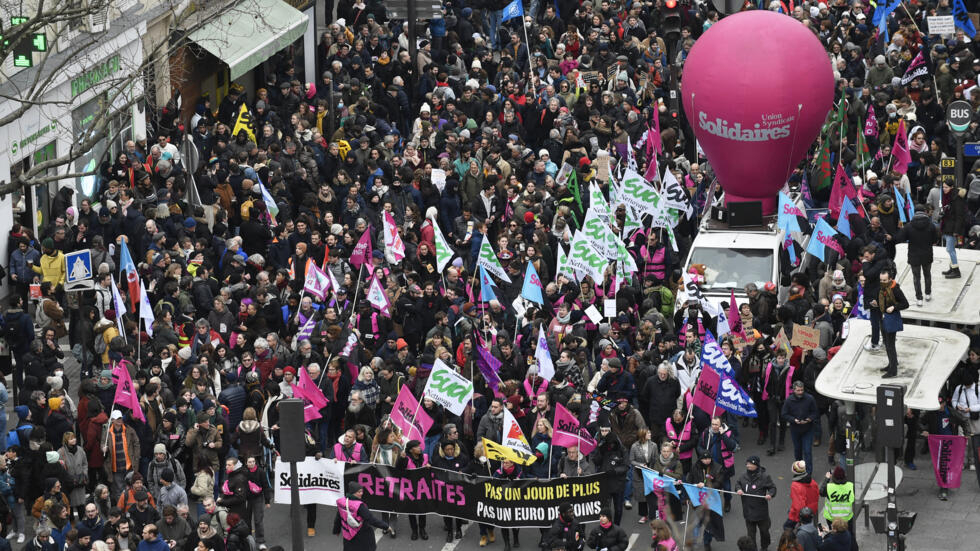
[628,492]
[803,446]
[875,326]
[491,20]
[431,443]
[950,241]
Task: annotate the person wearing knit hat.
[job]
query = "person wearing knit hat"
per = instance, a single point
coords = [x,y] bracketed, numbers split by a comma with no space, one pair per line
[757,489]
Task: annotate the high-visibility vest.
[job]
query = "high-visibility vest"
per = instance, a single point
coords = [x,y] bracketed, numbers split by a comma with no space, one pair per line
[840,501]
[347,506]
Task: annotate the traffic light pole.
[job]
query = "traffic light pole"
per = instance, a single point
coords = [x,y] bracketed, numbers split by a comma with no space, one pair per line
[412,45]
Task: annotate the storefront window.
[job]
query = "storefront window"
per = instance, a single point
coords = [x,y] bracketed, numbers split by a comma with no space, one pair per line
[82,127]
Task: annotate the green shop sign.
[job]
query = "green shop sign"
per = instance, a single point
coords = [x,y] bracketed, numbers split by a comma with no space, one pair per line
[95,75]
[19,144]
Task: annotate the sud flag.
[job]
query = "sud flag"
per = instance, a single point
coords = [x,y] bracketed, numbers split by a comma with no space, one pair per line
[708,496]
[823,238]
[917,68]
[532,285]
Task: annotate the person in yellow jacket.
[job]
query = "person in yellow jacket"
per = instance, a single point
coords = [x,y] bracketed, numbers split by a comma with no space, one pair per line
[52,264]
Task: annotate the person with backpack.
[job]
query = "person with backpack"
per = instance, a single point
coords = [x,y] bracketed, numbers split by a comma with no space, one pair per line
[18,331]
[352,515]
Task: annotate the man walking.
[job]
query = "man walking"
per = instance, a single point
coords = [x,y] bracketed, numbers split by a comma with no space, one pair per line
[799,411]
[873,262]
[757,489]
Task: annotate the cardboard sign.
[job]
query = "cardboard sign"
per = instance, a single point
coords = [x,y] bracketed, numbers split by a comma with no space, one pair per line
[602,166]
[590,76]
[609,307]
[806,338]
[781,341]
[941,24]
[35,291]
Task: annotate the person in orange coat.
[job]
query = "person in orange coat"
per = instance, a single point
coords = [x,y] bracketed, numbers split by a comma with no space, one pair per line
[804,492]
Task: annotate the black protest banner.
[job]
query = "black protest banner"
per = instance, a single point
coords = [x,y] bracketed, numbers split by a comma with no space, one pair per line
[518,503]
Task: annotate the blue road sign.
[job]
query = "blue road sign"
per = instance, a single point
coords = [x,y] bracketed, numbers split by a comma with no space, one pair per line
[971,149]
[78,266]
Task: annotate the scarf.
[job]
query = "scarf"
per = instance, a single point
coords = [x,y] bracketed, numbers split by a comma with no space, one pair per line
[886,297]
[207,533]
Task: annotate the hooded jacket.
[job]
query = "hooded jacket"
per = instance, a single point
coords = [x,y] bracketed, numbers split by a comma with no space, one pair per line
[756,483]
[920,234]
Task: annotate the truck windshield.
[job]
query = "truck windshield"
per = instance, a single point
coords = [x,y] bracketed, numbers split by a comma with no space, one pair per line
[733,268]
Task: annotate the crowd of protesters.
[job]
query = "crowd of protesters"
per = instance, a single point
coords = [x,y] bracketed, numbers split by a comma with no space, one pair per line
[224,272]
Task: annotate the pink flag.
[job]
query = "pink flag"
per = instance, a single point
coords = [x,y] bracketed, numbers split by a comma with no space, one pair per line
[657,143]
[310,411]
[568,432]
[409,417]
[125,393]
[842,190]
[900,151]
[362,251]
[947,459]
[706,390]
[378,298]
[311,390]
[393,241]
[871,122]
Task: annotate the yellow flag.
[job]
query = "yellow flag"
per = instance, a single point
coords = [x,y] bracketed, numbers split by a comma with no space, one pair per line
[499,452]
[244,122]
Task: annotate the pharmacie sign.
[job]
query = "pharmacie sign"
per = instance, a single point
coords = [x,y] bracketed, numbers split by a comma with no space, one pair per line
[94,75]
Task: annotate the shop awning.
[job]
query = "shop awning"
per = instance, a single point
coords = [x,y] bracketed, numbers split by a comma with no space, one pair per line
[243,39]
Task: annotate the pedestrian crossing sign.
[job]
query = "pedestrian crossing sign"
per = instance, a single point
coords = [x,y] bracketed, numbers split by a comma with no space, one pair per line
[78,270]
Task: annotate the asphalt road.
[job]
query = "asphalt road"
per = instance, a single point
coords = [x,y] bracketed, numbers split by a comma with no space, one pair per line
[940,524]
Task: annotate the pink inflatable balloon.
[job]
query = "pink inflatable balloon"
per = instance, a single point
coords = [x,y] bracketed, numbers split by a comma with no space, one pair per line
[756,88]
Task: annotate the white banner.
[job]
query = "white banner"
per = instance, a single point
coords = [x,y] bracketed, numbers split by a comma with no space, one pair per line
[448,388]
[583,258]
[320,481]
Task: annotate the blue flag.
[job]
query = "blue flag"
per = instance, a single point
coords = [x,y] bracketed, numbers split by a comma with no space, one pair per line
[532,285]
[900,204]
[710,496]
[514,9]
[653,480]
[962,19]
[486,286]
[733,398]
[712,355]
[880,17]
[843,220]
[786,218]
[822,239]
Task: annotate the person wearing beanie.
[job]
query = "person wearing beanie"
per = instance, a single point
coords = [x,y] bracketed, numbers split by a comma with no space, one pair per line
[566,531]
[757,490]
[163,461]
[51,267]
[706,472]
[169,493]
[606,535]
[840,497]
[52,492]
[353,519]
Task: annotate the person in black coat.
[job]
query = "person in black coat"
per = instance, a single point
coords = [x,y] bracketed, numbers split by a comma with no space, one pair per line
[610,457]
[757,489]
[921,234]
[658,399]
[566,532]
[451,457]
[234,491]
[873,262]
[892,301]
[952,222]
[607,536]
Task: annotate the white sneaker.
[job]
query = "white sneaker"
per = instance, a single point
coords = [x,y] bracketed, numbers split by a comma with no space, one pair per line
[20,537]
[918,302]
[928,298]
[872,347]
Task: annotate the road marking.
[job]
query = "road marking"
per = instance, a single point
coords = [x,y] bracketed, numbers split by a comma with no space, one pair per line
[378,534]
[633,537]
[452,546]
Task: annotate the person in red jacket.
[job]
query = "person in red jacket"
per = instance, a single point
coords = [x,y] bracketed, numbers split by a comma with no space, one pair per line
[803,492]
